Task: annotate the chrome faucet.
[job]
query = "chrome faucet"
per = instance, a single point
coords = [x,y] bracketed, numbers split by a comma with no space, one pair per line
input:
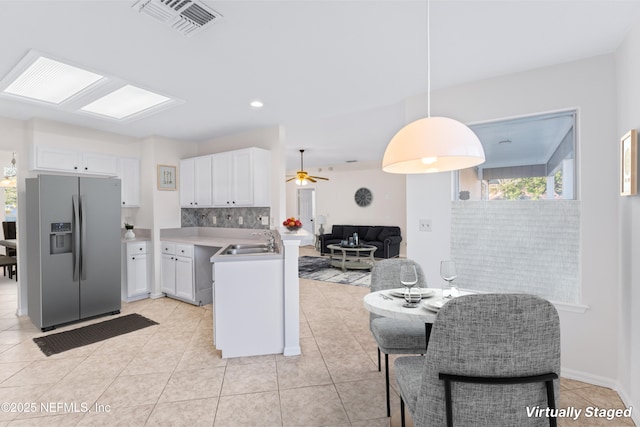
[271,240]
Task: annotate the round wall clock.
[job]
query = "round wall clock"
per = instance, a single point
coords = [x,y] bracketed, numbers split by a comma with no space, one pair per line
[363,197]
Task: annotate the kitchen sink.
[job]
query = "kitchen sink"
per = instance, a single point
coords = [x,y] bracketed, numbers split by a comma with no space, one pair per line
[244,249]
[247,246]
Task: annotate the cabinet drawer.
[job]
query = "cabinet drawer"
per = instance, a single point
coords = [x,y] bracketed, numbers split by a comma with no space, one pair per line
[168,248]
[137,248]
[184,250]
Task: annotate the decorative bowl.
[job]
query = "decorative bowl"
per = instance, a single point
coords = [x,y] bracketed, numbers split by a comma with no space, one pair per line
[293,227]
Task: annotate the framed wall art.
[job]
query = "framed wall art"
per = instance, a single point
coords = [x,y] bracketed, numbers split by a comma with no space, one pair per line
[629,163]
[167,178]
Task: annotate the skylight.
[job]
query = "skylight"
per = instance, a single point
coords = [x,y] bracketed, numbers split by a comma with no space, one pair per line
[46,80]
[51,81]
[125,102]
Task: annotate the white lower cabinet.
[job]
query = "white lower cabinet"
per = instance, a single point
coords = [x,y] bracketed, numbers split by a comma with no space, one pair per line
[248,312]
[184,278]
[183,275]
[135,280]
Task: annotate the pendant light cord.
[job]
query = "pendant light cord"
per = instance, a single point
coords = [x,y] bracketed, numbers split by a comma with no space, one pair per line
[428,58]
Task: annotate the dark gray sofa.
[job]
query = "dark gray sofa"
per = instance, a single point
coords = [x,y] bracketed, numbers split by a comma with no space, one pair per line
[385,238]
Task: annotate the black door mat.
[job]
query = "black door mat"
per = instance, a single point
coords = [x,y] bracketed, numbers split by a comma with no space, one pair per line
[63,341]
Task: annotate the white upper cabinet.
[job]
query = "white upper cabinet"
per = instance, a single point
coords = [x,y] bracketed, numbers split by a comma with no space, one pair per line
[129,174]
[99,164]
[54,159]
[242,178]
[61,160]
[195,182]
[222,179]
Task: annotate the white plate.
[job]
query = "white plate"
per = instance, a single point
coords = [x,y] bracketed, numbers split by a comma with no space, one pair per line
[434,305]
[424,292]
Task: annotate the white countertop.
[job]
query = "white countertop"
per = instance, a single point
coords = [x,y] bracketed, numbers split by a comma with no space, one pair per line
[135,239]
[222,238]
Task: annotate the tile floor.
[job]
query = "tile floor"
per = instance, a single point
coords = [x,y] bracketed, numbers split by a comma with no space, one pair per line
[170,374]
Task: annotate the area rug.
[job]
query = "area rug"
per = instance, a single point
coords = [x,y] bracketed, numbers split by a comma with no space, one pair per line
[63,341]
[319,268]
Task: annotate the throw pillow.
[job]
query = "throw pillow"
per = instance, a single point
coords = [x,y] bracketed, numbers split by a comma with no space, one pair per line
[372,234]
[387,232]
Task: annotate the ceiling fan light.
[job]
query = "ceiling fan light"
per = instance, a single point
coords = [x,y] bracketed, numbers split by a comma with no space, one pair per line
[446,144]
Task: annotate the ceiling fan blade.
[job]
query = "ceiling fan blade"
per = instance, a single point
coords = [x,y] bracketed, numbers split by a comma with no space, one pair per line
[309,178]
[320,177]
[291,179]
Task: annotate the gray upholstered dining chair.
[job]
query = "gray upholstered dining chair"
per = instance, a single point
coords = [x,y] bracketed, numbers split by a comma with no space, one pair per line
[395,336]
[491,359]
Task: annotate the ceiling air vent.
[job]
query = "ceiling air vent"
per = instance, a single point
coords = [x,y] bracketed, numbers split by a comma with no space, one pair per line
[186,16]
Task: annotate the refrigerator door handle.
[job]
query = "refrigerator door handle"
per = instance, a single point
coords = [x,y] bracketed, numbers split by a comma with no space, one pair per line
[83,236]
[76,237]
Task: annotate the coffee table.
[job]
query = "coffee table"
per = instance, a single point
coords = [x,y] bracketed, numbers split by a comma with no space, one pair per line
[351,257]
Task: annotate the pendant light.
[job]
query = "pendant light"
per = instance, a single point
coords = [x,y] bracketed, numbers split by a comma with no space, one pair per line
[432,144]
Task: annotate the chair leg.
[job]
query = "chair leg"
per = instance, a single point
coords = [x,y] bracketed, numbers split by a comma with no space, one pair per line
[379,368]
[402,421]
[386,373]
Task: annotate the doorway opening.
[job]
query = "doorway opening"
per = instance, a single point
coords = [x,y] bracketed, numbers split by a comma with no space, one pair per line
[307,212]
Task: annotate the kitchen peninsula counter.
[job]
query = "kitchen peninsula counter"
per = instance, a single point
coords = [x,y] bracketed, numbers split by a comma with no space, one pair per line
[221,238]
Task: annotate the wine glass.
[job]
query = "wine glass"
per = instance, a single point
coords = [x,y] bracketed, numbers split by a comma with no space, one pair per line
[408,278]
[448,273]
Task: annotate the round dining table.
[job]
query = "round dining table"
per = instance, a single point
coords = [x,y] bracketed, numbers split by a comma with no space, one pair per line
[384,303]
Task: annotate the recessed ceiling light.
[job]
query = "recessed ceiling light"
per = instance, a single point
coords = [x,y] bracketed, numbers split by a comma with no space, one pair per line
[125,102]
[51,81]
[256,104]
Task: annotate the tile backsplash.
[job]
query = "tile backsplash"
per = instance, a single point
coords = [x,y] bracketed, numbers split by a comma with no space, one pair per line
[225,217]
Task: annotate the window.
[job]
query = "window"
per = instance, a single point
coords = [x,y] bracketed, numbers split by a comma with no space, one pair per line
[528,158]
[515,223]
[10,203]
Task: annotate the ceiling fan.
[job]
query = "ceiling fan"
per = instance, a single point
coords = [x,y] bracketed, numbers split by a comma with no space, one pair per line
[302,177]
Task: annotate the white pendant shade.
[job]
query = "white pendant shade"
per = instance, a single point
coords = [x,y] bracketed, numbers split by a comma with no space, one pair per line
[432,144]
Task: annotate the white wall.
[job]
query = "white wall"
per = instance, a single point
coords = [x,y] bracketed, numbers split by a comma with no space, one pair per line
[335,198]
[590,340]
[272,139]
[628,107]
[159,208]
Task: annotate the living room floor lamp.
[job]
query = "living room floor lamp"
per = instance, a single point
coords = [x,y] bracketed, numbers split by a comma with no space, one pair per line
[432,144]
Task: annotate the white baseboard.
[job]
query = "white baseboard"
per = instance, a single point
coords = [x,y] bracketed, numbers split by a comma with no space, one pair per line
[635,414]
[157,295]
[589,378]
[605,382]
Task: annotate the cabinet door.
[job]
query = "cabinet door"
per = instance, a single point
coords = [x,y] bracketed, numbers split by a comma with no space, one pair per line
[137,281]
[184,278]
[202,183]
[186,179]
[99,164]
[242,178]
[221,179]
[54,159]
[129,174]
[168,274]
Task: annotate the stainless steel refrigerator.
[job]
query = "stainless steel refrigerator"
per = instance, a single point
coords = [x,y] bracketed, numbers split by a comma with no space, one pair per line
[73,248]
